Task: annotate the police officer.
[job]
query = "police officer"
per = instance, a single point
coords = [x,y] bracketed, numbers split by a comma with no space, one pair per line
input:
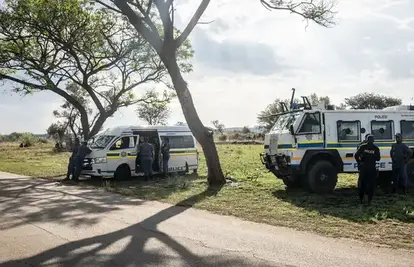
[367,156]
[399,153]
[71,165]
[165,149]
[146,156]
[80,157]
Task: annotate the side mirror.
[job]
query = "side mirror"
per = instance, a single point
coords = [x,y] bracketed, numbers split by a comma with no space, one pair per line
[292,131]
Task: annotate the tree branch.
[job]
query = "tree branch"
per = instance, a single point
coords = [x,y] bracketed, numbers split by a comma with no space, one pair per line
[319,11]
[151,37]
[193,22]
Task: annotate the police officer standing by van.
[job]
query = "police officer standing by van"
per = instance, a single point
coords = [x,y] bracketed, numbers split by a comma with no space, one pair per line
[146,157]
[71,165]
[367,156]
[80,157]
[400,154]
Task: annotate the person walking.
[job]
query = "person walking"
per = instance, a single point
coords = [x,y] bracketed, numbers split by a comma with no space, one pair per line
[146,157]
[80,157]
[71,164]
[165,149]
[400,153]
[366,157]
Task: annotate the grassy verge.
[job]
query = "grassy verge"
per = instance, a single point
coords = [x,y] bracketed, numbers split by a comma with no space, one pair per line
[257,196]
[37,161]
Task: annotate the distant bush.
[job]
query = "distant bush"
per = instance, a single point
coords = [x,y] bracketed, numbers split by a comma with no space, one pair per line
[28,139]
[43,141]
[222,137]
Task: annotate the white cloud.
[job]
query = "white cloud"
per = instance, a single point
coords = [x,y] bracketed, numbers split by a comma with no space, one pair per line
[369,50]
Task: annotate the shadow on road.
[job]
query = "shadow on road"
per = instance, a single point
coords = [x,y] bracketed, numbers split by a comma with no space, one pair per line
[90,251]
[343,203]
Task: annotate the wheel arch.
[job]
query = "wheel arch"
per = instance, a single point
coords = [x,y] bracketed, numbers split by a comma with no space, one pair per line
[312,156]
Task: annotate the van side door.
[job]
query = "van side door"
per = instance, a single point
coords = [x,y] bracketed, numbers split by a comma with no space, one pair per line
[123,151]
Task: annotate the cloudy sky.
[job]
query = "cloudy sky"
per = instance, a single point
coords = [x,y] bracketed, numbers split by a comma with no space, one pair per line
[249,56]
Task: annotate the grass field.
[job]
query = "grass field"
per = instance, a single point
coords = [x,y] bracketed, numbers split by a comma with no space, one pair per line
[255,195]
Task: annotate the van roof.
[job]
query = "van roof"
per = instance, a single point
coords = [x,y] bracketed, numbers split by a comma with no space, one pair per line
[118,130]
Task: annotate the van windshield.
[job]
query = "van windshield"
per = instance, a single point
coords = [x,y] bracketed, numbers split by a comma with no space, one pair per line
[101,141]
[285,121]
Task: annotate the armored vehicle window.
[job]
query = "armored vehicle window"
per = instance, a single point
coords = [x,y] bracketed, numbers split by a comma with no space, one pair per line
[382,130]
[407,130]
[348,131]
[311,124]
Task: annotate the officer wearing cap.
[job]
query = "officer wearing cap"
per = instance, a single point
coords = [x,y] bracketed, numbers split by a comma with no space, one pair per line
[400,154]
[367,156]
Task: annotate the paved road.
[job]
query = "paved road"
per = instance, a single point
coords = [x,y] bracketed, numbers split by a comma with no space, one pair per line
[44,223]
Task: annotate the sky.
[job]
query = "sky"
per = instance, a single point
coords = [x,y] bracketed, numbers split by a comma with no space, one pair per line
[249,56]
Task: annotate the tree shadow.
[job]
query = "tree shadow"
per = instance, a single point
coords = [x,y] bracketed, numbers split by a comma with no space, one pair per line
[141,244]
[26,199]
[344,203]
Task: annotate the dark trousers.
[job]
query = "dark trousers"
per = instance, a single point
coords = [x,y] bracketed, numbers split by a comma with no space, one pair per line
[78,167]
[366,182]
[71,167]
[399,177]
[146,165]
[165,160]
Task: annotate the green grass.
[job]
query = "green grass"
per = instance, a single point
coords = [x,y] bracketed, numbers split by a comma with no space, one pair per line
[257,196]
[37,161]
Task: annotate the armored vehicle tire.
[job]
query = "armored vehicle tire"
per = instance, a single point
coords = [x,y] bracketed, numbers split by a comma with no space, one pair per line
[410,173]
[292,181]
[122,173]
[322,177]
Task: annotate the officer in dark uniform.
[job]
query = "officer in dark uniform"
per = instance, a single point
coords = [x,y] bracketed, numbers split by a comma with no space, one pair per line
[71,165]
[80,157]
[165,149]
[146,156]
[400,153]
[367,156]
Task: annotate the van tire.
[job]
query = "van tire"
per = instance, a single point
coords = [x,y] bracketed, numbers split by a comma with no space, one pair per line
[293,181]
[322,177]
[410,173]
[123,172]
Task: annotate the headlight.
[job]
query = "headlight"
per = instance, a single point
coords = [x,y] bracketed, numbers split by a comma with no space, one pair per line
[99,160]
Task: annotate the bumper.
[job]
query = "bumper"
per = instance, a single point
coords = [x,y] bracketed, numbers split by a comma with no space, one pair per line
[97,170]
[279,165]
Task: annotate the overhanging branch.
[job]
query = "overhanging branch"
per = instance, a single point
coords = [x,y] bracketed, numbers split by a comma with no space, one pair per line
[193,22]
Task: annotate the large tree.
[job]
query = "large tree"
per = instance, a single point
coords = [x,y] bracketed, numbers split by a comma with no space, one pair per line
[371,101]
[144,15]
[49,44]
[155,110]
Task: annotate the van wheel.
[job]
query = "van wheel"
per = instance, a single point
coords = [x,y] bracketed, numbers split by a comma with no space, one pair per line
[410,173]
[293,181]
[322,177]
[122,173]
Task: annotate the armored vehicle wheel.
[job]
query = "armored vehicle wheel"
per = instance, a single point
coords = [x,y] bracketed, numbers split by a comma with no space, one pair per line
[322,177]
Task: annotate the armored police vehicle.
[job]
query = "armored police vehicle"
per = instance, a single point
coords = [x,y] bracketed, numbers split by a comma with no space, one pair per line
[309,145]
[114,151]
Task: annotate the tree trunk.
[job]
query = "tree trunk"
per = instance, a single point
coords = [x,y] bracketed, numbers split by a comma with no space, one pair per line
[203,136]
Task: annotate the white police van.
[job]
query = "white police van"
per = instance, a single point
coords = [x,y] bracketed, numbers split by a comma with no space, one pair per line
[114,151]
[310,145]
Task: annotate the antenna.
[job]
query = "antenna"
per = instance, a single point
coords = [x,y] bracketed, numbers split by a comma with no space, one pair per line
[292,99]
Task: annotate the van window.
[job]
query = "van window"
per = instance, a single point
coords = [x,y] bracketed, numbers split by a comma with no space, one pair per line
[186,141]
[348,131]
[407,130]
[382,130]
[311,124]
[124,143]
